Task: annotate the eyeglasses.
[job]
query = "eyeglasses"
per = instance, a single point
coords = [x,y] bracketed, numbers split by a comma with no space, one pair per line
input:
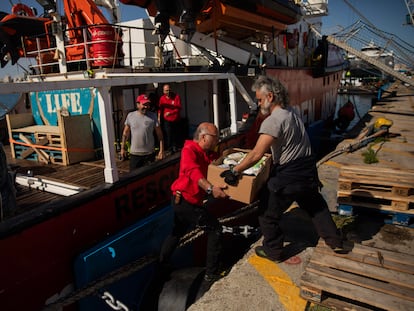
[214,135]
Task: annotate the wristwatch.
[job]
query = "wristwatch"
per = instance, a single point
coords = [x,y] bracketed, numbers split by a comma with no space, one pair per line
[209,190]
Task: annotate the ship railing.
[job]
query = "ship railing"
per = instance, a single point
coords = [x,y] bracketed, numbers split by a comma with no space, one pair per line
[128,53]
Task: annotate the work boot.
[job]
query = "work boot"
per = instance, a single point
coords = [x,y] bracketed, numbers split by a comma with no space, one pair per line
[287,254]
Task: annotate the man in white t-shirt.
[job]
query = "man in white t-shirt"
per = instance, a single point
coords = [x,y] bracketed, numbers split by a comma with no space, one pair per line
[140,126]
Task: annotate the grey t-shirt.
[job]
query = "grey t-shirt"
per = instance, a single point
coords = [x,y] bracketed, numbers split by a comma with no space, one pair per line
[291,140]
[142,132]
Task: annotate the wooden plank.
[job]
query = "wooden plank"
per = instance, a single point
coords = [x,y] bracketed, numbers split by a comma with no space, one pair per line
[332,303]
[366,276]
[376,193]
[384,205]
[372,255]
[401,189]
[19,120]
[386,176]
[77,137]
[29,151]
[356,292]
[362,281]
[345,264]
[43,156]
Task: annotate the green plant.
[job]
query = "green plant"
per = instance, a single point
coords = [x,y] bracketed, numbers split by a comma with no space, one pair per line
[370,156]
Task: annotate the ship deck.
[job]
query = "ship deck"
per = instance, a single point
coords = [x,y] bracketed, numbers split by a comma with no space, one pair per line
[85,175]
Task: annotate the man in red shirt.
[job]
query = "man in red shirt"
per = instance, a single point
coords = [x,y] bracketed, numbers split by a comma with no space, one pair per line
[189,190]
[169,115]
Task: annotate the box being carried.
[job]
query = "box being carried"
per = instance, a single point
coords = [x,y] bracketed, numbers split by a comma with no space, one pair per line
[248,187]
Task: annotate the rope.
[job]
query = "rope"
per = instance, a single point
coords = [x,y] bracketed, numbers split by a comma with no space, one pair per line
[351,147]
[94,287]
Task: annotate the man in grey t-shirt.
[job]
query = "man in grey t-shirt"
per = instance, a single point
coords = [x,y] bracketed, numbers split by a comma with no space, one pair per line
[294,176]
[141,125]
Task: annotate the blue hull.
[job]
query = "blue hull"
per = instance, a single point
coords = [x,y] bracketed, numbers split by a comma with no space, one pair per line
[143,238]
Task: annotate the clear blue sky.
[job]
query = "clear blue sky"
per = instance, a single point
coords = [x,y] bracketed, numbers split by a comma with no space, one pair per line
[387,15]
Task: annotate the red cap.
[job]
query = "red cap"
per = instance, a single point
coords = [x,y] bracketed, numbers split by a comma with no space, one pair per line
[143,99]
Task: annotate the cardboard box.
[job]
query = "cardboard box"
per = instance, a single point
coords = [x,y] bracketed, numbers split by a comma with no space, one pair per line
[248,187]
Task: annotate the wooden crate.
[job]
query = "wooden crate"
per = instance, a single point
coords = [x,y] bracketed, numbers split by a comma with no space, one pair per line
[69,142]
[382,188]
[365,278]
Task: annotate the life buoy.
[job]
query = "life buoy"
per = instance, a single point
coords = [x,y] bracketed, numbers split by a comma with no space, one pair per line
[347,111]
[22,9]
[345,115]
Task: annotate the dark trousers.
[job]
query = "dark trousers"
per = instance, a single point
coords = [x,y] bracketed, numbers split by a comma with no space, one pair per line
[274,204]
[186,218]
[137,161]
[172,135]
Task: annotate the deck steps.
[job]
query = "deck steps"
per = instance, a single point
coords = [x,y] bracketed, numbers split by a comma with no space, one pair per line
[367,278]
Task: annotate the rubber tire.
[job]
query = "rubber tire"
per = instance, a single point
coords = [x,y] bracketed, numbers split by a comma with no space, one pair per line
[183,288]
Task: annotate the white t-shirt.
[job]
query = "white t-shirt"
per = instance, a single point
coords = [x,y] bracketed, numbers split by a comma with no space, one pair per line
[142,131]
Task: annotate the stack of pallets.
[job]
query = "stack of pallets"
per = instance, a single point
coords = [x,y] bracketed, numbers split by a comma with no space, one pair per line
[366,278]
[391,191]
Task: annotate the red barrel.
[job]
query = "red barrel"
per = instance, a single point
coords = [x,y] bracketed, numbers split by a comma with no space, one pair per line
[103,46]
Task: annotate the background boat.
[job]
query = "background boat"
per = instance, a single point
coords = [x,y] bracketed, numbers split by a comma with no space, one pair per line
[360,69]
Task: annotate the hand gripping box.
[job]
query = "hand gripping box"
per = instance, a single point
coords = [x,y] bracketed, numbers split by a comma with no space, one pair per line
[248,187]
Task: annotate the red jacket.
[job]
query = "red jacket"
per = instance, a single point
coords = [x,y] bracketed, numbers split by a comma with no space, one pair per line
[193,166]
[170,107]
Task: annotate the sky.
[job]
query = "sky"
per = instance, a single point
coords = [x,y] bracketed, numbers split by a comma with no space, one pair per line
[387,15]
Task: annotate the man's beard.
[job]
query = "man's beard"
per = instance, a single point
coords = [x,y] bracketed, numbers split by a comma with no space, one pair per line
[265,107]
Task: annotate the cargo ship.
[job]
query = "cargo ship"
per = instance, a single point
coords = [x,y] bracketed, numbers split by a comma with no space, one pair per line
[67,199]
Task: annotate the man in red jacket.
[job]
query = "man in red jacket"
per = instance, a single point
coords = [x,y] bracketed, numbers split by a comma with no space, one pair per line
[169,116]
[190,190]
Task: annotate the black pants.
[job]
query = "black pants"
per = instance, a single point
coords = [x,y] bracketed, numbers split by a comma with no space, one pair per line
[274,204]
[172,135]
[137,161]
[186,218]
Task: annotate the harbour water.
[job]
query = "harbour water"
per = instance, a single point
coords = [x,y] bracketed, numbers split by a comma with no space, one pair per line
[362,104]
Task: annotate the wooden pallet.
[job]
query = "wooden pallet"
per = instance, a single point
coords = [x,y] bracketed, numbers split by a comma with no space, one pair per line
[366,278]
[382,188]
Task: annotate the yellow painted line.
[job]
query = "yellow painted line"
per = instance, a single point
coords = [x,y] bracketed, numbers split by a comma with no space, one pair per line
[333,163]
[279,280]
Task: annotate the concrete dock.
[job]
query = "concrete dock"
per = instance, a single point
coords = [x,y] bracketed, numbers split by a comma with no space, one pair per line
[255,283]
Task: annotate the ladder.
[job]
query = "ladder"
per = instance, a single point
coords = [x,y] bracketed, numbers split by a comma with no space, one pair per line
[371,60]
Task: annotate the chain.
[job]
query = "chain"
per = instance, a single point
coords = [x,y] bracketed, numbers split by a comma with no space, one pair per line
[116,275]
[195,234]
[93,287]
[114,304]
